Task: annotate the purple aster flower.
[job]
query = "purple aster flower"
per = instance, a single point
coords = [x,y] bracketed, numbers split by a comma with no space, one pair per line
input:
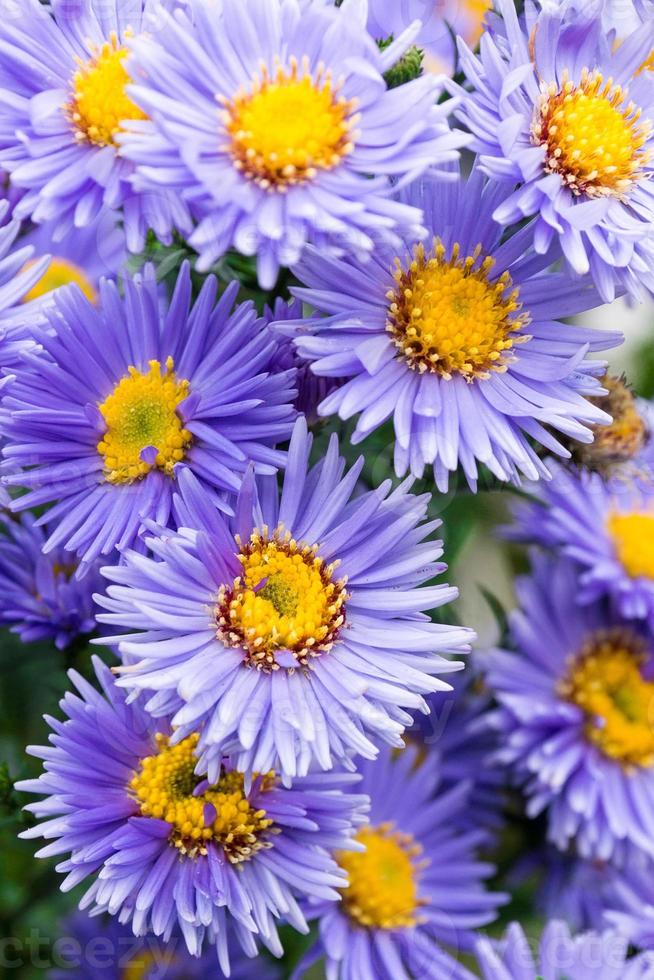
[458,340]
[296,631]
[565,115]
[40,597]
[458,733]
[130,394]
[311,388]
[19,272]
[417,891]
[606,525]
[83,256]
[574,716]
[169,851]
[440,23]
[269,116]
[62,105]
[100,948]
[560,956]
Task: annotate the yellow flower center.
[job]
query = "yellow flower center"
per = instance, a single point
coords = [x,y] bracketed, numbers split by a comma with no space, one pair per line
[593,136]
[284,600]
[99,104]
[61,272]
[167,788]
[624,437]
[633,540]
[447,316]
[476,10]
[289,126]
[147,964]
[141,413]
[383,880]
[607,683]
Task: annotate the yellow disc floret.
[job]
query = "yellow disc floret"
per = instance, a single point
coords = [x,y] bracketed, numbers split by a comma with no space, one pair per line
[633,540]
[167,788]
[99,104]
[383,880]
[61,272]
[288,126]
[285,599]
[593,136]
[623,438]
[140,414]
[448,316]
[606,681]
[147,965]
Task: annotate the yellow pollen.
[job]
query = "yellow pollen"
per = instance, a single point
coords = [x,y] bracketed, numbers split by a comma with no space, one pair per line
[167,788]
[447,316]
[99,104]
[593,136]
[146,964]
[140,413]
[476,11]
[633,540]
[624,437]
[383,880]
[286,599]
[288,126]
[61,272]
[607,683]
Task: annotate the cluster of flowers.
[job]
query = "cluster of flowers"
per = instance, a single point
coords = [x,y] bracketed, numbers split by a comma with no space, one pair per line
[241,764]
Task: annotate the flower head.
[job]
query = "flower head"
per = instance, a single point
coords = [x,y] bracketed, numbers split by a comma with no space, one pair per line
[571,126]
[64,103]
[417,890]
[295,632]
[168,850]
[606,525]
[456,339]
[589,956]
[271,128]
[40,596]
[440,24]
[575,715]
[130,393]
[100,948]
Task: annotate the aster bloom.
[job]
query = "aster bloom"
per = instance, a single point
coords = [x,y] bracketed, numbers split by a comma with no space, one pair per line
[311,389]
[168,850]
[457,339]
[440,23]
[19,272]
[82,257]
[295,632]
[574,716]
[606,525]
[457,731]
[100,948]
[567,116]
[560,956]
[128,395]
[63,102]
[270,117]
[40,597]
[417,891]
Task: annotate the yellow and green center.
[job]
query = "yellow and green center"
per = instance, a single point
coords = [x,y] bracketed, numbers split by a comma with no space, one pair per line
[285,599]
[61,272]
[142,413]
[593,135]
[382,892]
[633,540]
[99,103]
[288,126]
[448,316]
[606,681]
[166,787]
